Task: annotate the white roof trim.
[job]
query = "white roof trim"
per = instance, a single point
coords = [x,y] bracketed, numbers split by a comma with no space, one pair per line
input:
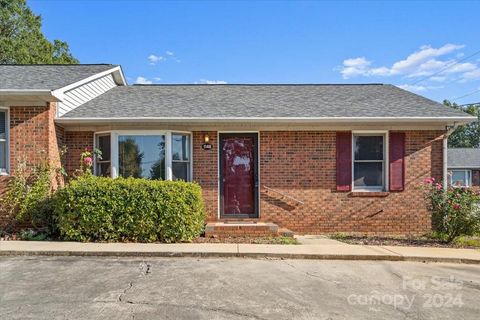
[117,69]
[25,92]
[47,95]
[272,119]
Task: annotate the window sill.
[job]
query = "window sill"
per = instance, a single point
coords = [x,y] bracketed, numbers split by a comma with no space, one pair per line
[369,194]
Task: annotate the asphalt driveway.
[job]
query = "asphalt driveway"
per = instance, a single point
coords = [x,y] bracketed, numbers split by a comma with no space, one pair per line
[188,288]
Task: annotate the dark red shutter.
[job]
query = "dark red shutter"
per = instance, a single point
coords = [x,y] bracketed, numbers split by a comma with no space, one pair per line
[344,161]
[397,161]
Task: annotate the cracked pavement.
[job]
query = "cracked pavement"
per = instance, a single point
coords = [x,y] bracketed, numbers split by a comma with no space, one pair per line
[234,288]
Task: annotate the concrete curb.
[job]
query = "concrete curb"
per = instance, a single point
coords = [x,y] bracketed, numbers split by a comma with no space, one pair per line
[255,255]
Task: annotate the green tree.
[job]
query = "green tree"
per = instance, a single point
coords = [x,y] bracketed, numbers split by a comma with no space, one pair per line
[467,136]
[157,171]
[130,160]
[21,38]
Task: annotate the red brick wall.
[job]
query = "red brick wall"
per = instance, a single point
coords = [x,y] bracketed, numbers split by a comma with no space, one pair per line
[34,138]
[205,170]
[29,135]
[302,165]
[76,142]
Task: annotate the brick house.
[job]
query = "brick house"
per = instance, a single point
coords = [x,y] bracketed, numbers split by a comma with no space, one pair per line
[311,158]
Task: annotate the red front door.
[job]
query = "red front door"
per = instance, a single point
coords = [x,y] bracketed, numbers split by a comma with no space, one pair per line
[238,175]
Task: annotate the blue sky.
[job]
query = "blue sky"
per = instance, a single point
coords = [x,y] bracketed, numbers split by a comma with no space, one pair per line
[278,42]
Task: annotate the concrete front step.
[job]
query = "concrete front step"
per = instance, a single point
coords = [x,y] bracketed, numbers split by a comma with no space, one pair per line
[223,229]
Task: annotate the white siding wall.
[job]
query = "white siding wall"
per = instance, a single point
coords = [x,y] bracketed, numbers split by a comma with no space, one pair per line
[86,92]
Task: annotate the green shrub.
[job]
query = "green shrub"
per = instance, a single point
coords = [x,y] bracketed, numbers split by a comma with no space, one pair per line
[455,211]
[103,209]
[28,197]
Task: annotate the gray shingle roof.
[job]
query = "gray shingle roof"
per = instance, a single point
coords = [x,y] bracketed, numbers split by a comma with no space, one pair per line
[464,158]
[46,77]
[260,101]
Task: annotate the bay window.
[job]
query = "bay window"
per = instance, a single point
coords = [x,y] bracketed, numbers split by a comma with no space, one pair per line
[369,162]
[3,142]
[146,154]
[141,156]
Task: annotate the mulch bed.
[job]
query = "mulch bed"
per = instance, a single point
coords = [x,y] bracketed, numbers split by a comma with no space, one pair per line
[406,242]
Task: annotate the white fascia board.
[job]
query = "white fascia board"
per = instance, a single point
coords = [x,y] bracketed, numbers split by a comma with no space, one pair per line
[458,120]
[42,94]
[25,92]
[60,91]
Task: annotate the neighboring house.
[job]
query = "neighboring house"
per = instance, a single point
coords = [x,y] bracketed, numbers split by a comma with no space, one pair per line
[311,158]
[464,167]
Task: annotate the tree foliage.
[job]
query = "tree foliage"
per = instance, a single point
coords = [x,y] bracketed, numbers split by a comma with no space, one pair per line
[22,41]
[467,136]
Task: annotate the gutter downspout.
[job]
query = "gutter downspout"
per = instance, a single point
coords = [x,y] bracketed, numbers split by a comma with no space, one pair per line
[450,130]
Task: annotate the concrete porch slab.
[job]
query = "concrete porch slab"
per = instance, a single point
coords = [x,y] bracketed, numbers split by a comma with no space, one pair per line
[241,228]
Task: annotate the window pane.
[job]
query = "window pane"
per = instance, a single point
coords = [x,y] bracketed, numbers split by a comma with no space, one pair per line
[142,156]
[180,147]
[103,169]
[458,178]
[104,146]
[3,125]
[3,156]
[368,174]
[181,170]
[368,147]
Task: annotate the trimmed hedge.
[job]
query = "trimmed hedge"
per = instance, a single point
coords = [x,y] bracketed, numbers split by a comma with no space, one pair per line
[94,208]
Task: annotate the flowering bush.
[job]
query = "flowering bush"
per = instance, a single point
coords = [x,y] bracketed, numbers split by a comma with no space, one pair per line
[86,161]
[456,211]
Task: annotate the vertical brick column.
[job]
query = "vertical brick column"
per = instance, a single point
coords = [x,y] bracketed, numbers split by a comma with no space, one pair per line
[205,170]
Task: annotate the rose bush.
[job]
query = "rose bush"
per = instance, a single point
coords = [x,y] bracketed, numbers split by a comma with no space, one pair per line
[455,211]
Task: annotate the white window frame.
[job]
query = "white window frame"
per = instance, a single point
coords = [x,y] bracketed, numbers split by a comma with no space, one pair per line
[168,148]
[95,146]
[190,142]
[385,162]
[467,174]
[6,172]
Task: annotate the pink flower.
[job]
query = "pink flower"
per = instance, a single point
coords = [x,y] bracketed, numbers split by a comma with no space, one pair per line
[433,179]
[428,180]
[438,186]
[88,161]
[456,206]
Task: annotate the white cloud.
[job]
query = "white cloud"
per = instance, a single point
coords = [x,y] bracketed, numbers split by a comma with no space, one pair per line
[422,63]
[355,67]
[142,80]
[425,54]
[418,88]
[169,53]
[157,79]
[154,59]
[471,75]
[205,81]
